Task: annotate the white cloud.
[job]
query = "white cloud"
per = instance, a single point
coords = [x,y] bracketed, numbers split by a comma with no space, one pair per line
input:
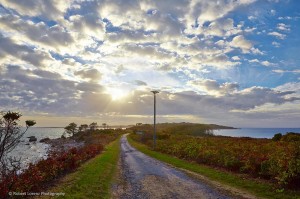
[285,18]
[256,51]
[235,58]
[254,61]
[220,61]
[210,10]
[252,18]
[221,28]
[276,44]
[283,27]
[273,12]
[267,63]
[240,42]
[277,34]
[286,71]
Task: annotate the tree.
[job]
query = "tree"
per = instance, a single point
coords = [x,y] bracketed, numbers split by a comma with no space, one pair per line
[83,127]
[104,125]
[10,134]
[93,126]
[71,129]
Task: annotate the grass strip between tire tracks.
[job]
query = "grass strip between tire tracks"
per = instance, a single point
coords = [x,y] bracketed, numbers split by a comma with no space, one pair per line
[93,178]
[259,189]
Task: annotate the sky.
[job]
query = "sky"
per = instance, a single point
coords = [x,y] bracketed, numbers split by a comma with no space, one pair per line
[229,62]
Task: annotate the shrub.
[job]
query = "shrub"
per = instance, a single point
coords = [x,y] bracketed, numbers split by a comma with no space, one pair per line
[37,176]
[277,137]
[276,161]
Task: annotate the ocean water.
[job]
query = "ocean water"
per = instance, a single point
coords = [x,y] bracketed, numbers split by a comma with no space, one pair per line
[255,132]
[30,152]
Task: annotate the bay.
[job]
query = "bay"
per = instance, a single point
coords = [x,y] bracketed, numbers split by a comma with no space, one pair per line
[30,152]
[254,132]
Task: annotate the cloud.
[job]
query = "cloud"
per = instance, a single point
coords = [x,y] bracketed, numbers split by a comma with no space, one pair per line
[252,18]
[267,63]
[220,61]
[285,18]
[61,58]
[273,12]
[221,28]
[44,92]
[52,9]
[277,35]
[254,61]
[22,52]
[283,27]
[150,51]
[89,24]
[235,58]
[209,11]
[90,74]
[286,71]
[240,42]
[276,44]
[55,37]
[140,83]
[56,96]
[212,87]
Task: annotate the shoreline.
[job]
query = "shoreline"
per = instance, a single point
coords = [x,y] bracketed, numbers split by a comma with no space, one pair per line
[63,144]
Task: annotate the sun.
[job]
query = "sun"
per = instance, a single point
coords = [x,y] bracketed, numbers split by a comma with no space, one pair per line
[117,94]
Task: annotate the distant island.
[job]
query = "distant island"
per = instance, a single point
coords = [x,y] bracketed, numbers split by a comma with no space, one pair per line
[182,128]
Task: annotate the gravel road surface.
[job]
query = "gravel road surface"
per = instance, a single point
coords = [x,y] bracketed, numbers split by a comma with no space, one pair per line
[144,177]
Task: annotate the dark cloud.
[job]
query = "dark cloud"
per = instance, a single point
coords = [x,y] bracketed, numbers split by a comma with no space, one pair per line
[90,24]
[23,52]
[89,87]
[54,36]
[191,103]
[91,74]
[49,93]
[51,9]
[140,83]
[212,86]
[46,74]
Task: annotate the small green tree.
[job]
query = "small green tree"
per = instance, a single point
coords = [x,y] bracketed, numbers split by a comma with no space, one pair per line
[93,126]
[83,127]
[71,129]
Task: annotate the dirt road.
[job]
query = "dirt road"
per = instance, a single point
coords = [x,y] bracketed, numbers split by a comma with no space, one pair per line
[144,177]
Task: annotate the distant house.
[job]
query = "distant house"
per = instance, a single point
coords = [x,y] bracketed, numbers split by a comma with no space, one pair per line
[139,124]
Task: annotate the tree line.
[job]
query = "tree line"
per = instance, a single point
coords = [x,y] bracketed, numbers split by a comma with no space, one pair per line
[73,128]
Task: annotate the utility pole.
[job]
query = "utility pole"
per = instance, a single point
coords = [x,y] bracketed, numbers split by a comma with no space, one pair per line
[154,129]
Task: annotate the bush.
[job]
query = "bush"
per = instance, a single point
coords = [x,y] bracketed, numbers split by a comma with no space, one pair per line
[277,137]
[36,176]
[276,161]
[291,137]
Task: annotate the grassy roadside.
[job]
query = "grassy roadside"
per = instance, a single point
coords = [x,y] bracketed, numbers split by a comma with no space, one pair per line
[93,178]
[259,189]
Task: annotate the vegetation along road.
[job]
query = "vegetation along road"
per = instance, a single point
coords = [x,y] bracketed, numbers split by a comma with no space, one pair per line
[145,177]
